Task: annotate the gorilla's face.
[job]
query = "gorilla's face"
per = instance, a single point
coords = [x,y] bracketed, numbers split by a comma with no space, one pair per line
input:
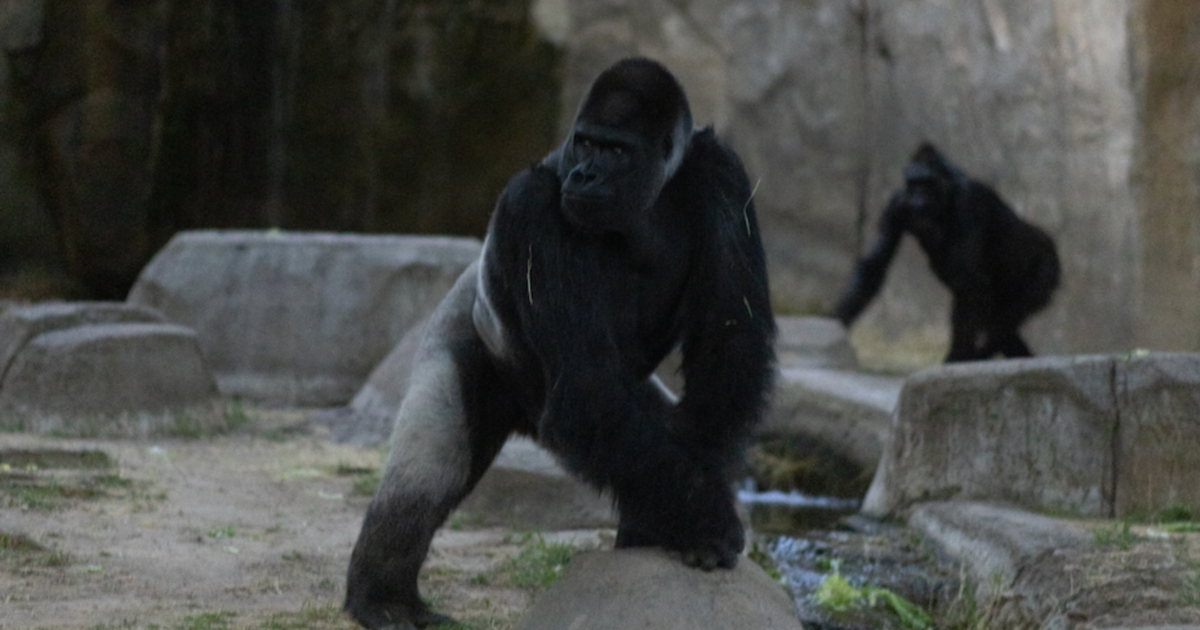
[610,177]
[929,201]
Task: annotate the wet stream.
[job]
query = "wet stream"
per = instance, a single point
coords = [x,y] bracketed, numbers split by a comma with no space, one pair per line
[811,537]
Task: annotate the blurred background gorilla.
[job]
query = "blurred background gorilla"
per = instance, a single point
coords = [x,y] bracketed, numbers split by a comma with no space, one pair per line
[999,269]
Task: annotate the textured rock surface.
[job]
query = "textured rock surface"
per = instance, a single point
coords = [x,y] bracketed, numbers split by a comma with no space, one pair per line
[635,588]
[299,318]
[1084,116]
[70,380]
[1091,435]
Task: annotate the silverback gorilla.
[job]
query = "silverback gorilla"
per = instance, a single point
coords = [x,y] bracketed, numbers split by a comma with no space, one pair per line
[999,269]
[636,235]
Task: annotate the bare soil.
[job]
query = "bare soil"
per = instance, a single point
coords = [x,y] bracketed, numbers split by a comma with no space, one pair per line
[248,530]
[254,529]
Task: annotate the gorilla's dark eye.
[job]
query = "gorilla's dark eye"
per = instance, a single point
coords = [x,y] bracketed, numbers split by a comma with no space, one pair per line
[618,150]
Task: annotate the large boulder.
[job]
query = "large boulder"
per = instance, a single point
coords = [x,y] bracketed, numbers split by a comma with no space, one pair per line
[646,588]
[1093,435]
[299,318]
[527,489]
[99,368]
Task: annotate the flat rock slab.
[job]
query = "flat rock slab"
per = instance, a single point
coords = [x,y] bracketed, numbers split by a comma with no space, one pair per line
[851,413]
[1100,435]
[993,542]
[93,379]
[299,318]
[644,588]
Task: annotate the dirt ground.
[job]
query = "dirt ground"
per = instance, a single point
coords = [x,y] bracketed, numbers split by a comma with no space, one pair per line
[254,529]
[248,530]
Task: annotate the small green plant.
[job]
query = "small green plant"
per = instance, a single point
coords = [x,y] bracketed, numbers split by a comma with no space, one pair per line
[225,531]
[540,563]
[1118,535]
[763,559]
[207,621]
[366,480]
[56,559]
[836,593]
[236,416]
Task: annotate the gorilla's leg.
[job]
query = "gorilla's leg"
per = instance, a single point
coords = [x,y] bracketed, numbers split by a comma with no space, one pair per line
[453,421]
[967,330]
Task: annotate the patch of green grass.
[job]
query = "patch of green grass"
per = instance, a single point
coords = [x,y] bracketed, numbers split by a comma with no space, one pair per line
[308,617]
[1117,535]
[224,531]
[18,543]
[366,479]
[236,416]
[206,621]
[764,560]
[31,460]
[1180,528]
[56,559]
[539,564]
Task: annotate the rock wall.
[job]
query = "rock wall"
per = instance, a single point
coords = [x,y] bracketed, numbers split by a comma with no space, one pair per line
[124,121]
[1083,114]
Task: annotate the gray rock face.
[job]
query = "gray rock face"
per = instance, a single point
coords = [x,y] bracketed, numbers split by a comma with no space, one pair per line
[68,367]
[849,412]
[1090,435]
[641,588]
[825,101]
[299,318]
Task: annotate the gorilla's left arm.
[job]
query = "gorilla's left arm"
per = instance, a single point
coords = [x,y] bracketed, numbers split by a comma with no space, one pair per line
[728,359]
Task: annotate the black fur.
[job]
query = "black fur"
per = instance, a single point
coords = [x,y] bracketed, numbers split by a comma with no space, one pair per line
[635,236]
[999,269]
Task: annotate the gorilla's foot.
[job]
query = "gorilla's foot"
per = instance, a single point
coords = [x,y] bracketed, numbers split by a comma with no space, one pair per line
[710,539]
[396,617]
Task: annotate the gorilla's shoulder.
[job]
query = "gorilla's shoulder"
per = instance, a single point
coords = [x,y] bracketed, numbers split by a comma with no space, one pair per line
[535,185]
[713,162]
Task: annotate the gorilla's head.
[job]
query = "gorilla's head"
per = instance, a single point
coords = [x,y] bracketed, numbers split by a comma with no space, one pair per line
[929,181]
[629,137]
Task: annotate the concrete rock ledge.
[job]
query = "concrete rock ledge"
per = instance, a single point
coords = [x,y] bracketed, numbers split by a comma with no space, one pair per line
[299,318]
[1102,435]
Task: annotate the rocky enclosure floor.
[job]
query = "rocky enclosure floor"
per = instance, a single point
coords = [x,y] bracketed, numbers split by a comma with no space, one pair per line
[254,529]
[247,530]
